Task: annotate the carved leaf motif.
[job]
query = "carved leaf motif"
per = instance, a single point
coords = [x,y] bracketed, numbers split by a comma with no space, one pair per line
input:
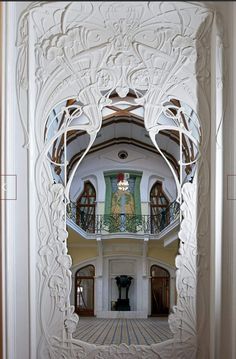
[65,261]
[83,49]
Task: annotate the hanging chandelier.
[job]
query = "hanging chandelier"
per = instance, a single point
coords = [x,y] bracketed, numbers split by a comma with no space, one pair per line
[122,181]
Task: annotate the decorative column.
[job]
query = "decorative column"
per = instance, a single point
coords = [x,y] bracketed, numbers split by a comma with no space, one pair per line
[144,282]
[99,268]
[98,277]
[144,256]
[172,290]
[72,293]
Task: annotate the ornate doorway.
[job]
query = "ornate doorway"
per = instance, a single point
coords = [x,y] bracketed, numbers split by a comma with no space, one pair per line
[84,291]
[160,291]
[158,52]
[158,207]
[86,208]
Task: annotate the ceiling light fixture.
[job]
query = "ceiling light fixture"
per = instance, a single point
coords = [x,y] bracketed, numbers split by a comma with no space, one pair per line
[122,179]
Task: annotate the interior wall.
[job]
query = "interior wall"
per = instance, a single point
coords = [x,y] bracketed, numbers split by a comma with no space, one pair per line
[122,256]
[228,305]
[17,293]
[1,219]
[19,325]
[166,254]
[118,267]
[80,249]
[106,290]
[153,167]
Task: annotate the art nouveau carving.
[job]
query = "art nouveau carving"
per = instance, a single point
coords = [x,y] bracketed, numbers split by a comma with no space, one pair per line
[87,51]
[177,118]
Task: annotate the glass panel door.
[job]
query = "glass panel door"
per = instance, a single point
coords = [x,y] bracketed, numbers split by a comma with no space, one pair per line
[85,296]
[160,291]
[84,291]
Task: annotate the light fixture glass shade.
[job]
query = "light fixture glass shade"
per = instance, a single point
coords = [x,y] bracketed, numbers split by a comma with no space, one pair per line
[123,185]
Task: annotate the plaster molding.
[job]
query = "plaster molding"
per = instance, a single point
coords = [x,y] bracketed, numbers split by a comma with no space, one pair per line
[87,51]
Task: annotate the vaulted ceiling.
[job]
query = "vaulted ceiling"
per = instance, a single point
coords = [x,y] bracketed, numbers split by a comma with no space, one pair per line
[123,123]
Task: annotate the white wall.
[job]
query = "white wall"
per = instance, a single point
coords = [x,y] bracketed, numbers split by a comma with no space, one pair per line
[14,158]
[228,315]
[152,165]
[140,290]
[17,255]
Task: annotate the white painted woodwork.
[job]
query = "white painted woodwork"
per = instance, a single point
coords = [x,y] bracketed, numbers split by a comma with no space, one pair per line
[39,319]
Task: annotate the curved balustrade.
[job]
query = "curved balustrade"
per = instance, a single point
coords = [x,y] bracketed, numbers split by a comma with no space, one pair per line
[124,223]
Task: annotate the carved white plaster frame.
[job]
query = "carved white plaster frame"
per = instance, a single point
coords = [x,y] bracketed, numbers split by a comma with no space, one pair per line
[47,46]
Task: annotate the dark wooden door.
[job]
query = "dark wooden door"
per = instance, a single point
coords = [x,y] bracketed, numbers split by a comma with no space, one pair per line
[159,208]
[84,291]
[160,291]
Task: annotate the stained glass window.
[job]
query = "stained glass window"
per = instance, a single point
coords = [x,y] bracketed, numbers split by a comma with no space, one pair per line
[86,206]
[159,208]
[123,204]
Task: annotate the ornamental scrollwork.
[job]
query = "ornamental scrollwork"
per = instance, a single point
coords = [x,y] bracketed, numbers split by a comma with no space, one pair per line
[88,51]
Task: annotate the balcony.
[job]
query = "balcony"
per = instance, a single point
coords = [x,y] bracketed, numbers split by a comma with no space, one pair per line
[116,225]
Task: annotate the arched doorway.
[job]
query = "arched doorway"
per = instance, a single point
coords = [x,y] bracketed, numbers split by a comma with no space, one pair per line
[158,208]
[86,206]
[160,291]
[84,291]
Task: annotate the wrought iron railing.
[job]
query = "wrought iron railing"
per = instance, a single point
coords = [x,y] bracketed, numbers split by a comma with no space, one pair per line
[120,223]
[86,221]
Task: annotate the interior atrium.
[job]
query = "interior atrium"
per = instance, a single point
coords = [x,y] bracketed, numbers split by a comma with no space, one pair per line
[123,209]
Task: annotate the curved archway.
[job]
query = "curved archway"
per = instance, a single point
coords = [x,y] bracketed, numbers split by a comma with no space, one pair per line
[160,291]
[93,80]
[86,208]
[159,203]
[84,290]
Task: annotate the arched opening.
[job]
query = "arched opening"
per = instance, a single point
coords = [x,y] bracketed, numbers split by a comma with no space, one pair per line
[121,163]
[159,208]
[160,291]
[86,208]
[84,291]
[82,52]
[125,137]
